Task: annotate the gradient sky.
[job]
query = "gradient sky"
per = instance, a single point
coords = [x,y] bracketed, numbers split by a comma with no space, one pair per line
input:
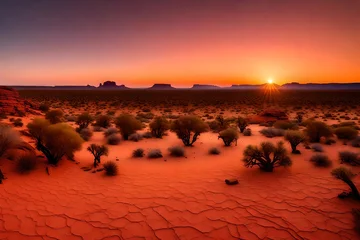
[140,42]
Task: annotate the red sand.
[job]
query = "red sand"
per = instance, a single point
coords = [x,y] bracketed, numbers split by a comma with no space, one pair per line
[181,198]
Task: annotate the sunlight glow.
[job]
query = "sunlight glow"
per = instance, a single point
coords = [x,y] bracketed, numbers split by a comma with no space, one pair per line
[270,81]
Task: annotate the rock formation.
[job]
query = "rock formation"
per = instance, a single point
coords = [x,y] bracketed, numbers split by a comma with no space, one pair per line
[162,86]
[12,104]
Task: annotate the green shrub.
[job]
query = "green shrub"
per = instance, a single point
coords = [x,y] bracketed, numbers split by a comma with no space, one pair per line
[127,125]
[228,136]
[159,126]
[285,125]
[294,138]
[315,130]
[54,116]
[188,129]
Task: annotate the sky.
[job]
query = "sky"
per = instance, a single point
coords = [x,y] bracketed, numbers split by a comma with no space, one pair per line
[141,42]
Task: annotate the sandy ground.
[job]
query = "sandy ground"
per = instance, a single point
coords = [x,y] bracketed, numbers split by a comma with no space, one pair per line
[180,198]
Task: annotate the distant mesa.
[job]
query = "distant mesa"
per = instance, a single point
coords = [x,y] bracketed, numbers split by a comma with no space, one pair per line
[111,84]
[12,104]
[162,86]
[204,86]
[321,86]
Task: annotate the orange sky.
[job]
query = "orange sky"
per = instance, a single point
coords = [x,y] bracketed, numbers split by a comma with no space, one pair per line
[139,43]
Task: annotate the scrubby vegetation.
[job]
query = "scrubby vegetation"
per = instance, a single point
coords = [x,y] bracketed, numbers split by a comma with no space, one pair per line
[86,134]
[84,120]
[111,169]
[285,125]
[321,160]
[54,116]
[267,156]
[317,147]
[110,131]
[188,129]
[127,125]
[26,162]
[159,126]
[229,136]
[315,130]
[247,132]
[154,153]
[138,153]
[54,140]
[103,121]
[98,151]
[356,142]
[346,175]
[346,133]
[294,138]
[8,138]
[348,157]
[177,151]
[113,139]
[214,151]
[242,123]
[272,132]
[135,137]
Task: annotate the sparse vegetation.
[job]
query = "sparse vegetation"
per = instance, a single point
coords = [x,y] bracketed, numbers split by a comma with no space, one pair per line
[84,120]
[154,153]
[242,123]
[127,125]
[272,132]
[111,169]
[346,133]
[54,116]
[267,156]
[321,160]
[8,138]
[159,126]
[315,130]
[349,158]
[294,138]
[214,151]
[229,136]
[98,151]
[138,153]
[188,129]
[103,121]
[177,151]
[346,175]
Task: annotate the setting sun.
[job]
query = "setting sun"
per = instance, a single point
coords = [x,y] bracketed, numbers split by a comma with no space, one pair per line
[270,81]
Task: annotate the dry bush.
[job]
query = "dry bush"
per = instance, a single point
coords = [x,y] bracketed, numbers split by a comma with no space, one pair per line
[111,169]
[54,116]
[98,151]
[315,130]
[285,125]
[103,121]
[267,156]
[188,129]
[294,138]
[86,134]
[247,132]
[44,107]
[356,142]
[346,175]
[138,153]
[242,123]
[18,122]
[214,151]
[228,136]
[321,160]
[349,157]
[54,141]
[317,147]
[84,120]
[26,162]
[346,133]
[110,131]
[272,132]
[159,126]
[113,139]
[8,138]
[154,153]
[127,124]
[135,137]
[177,151]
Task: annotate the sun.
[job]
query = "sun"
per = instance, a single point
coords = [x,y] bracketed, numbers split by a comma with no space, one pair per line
[270,81]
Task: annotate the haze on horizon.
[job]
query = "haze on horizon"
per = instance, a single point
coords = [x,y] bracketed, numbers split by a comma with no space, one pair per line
[141,42]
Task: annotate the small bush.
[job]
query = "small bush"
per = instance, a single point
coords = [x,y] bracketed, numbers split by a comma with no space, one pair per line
[26,163]
[110,131]
[228,136]
[97,129]
[18,122]
[272,132]
[44,107]
[188,128]
[127,124]
[159,126]
[242,123]
[321,160]
[346,133]
[111,169]
[285,125]
[103,121]
[247,132]
[214,151]
[315,130]
[346,175]
[84,120]
[317,148]
[329,141]
[155,153]
[113,139]
[177,151]
[8,138]
[349,158]
[86,134]
[138,153]
[135,137]
[54,116]
[294,138]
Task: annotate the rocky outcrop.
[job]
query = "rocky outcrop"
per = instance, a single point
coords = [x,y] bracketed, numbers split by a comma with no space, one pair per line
[204,86]
[12,104]
[162,86]
[111,84]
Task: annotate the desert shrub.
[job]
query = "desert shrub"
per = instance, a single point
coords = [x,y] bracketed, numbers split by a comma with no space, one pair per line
[54,116]
[26,162]
[349,157]
[97,129]
[294,138]
[214,151]
[86,134]
[137,153]
[70,118]
[84,120]
[8,138]
[247,132]
[18,122]
[214,126]
[267,156]
[188,129]
[329,141]
[127,124]
[110,131]
[222,122]
[103,121]
[44,107]
[177,151]
[242,123]
[135,137]
[147,135]
[228,136]
[111,169]
[346,133]
[317,147]
[54,141]
[346,175]
[98,151]
[113,139]
[315,130]
[285,125]
[154,153]
[321,160]
[272,132]
[356,142]
[159,126]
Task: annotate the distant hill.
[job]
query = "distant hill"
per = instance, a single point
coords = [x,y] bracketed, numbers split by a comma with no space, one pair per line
[111,85]
[205,86]
[321,86]
[162,86]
